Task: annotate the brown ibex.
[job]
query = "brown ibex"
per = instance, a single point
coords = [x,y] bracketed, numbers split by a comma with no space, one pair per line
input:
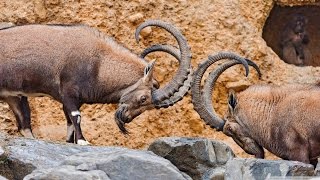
[282,119]
[76,64]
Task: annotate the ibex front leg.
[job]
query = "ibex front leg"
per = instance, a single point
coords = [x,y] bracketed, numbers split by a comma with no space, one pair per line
[73,116]
[70,127]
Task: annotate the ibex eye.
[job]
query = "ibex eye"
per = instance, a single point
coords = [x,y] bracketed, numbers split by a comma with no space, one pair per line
[143,99]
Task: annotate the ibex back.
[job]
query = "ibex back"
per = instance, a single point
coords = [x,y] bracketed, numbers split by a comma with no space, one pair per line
[78,64]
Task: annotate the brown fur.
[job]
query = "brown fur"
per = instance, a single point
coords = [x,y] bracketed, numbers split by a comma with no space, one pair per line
[73,65]
[282,119]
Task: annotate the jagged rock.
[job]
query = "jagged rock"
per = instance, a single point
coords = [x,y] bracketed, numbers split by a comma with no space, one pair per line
[193,156]
[66,172]
[116,164]
[69,161]
[22,155]
[129,164]
[248,169]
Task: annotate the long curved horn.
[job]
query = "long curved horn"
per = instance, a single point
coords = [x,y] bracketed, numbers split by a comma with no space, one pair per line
[184,69]
[177,96]
[209,86]
[212,119]
[161,47]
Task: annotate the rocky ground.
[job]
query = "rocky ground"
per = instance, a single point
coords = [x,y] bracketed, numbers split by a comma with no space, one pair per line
[209,26]
[166,158]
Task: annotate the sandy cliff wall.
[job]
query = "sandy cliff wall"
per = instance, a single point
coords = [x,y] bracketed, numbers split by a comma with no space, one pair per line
[209,25]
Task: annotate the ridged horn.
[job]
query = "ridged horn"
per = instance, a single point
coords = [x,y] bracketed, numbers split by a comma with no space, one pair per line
[161,47]
[211,119]
[184,68]
[177,96]
[209,86]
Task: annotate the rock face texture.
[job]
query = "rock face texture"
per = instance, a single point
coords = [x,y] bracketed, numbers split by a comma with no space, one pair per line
[209,26]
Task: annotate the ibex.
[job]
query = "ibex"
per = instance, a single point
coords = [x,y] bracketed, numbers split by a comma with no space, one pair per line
[76,64]
[282,119]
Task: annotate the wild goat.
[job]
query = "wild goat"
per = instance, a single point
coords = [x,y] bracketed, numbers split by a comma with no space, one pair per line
[282,119]
[76,64]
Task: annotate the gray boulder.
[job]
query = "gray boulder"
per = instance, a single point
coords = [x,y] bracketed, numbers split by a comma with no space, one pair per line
[120,164]
[194,156]
[129,164]
[66,172]
[261,169]
[20,156]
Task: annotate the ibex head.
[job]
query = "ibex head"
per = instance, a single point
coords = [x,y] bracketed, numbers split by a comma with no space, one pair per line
[145,94]
[136,99]
[230,124]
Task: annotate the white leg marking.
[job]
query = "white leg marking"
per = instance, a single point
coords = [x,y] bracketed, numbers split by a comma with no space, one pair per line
[79,120]
[27,133]
[82,142]
[70,130]
[75,113]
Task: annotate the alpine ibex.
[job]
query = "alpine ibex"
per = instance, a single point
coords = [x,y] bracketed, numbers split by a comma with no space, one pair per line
[76,64]
[282,119]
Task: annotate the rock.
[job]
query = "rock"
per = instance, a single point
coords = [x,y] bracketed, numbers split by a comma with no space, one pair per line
[22,155]
[193,156]
[145,32]
[69,161]
[66,172]
[214,174]
[247,169]
[135,18]
[87,167]
[3,178]
[129,164]
[4,25]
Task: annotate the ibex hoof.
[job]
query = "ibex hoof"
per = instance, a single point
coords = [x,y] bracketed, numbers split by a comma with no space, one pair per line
[82,142]
[27,133]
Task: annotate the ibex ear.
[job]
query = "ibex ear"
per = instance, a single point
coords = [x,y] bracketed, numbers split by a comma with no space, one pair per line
[232,101]
[148,72]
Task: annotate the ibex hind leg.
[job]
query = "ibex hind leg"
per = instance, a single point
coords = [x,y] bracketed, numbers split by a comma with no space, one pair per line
[21,110]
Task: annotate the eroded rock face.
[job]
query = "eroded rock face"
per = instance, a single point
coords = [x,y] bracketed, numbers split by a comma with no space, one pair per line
[195,156]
